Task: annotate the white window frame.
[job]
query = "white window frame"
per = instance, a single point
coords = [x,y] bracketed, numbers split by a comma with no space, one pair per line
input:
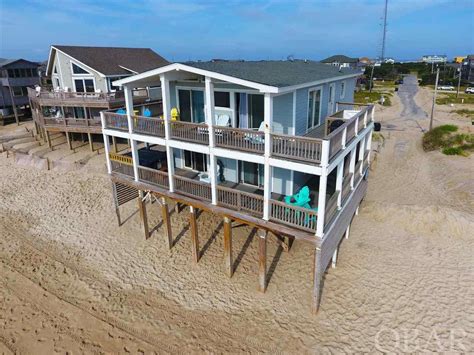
[343,89]
[310,90]
[331,103]
[79,74]
[84,78]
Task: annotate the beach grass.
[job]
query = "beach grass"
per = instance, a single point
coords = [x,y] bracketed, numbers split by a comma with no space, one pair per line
[447,138]
[373,97]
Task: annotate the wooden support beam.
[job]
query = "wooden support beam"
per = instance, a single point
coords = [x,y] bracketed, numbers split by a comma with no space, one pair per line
[317,281]
[91,143]
[69,143]
[143,215]
[166,219]
[194,232]
[48,139]
[228,246]
[262,260]
[114,144]
[284,242]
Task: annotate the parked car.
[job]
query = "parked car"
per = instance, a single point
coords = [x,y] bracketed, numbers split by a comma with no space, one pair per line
[469,90]
[446,87]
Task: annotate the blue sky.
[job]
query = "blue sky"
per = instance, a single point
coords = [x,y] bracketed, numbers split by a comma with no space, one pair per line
[272,29]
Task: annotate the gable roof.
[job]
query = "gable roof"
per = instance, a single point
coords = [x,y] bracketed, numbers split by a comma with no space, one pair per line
[277,73]
[340,58]
[111,60]
[4,62]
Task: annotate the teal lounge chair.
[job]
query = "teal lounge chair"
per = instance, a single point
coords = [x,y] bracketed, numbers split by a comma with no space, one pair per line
[300,199]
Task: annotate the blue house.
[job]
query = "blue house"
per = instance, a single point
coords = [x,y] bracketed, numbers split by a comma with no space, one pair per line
[278,145]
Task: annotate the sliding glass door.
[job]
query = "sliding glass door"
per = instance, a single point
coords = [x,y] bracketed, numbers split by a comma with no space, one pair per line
[195,161]
[191,105]
[251,173]
[314,108]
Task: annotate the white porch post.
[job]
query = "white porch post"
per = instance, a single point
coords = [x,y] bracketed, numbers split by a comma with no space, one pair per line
[267,176]
[165,96]
[352,166]
[129,105]
[339,178]
[369,145]
[209,98]
[106,144]
[323,179]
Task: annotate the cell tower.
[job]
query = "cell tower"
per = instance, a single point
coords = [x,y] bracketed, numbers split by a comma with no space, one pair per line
[382,56]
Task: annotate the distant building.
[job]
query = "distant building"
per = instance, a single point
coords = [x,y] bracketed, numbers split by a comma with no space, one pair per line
[434,58]
[467,69]
[16,75]
[459,59]
[389,61]
[340,60]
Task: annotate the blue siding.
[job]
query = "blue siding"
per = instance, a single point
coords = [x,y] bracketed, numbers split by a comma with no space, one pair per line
[282,181]
[283,112]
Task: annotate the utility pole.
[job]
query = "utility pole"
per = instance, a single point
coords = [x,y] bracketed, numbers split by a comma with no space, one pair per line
[459,79]
[434,99]
[371,77]
[384,36]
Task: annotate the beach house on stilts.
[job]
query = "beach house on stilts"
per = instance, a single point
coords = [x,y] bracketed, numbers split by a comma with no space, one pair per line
[278,145]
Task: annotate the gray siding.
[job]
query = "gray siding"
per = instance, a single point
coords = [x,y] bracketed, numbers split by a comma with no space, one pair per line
[282,181]
[283,112]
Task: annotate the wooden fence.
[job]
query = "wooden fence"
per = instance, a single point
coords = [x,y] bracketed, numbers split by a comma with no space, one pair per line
[191,132]
[298,148]
[248,140]
[192,188]
[153,176]
[149,125]
[240,200]
[294,216]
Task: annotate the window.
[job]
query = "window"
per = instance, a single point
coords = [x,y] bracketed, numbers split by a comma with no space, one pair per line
[78,70]
[314,108]
[343,89]
[84,85]
[57,82]
[191,105]
[195,161]
[221,99]
[113,87]
[19,91]
[11,73]
[17,73]
[256,110]
[79,112]
[55,70]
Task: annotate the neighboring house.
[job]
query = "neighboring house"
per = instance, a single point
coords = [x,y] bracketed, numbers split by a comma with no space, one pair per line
[236,137]
[468,69]
[433,58]
[389,61]
[341,61]
[82,86]
[16,75]
[459,59]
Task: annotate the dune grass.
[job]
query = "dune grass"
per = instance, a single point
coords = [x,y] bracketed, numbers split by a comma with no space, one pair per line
[448,140]
[446,99]
[373,97]
[465,112]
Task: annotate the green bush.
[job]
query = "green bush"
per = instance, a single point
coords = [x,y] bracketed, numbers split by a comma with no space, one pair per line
[444,138]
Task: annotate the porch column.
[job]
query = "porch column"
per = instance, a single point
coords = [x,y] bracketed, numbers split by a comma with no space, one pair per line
[106,144]
[228,246]
[323,179]
[352,166]
[262,260]
[209,97]
[165,96]
[339,179]
[129,105]
[369,145]
[267,176]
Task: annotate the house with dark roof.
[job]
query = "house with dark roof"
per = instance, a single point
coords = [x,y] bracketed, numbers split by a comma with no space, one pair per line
[277,145]
[340,60]
[82,86]
[16,75]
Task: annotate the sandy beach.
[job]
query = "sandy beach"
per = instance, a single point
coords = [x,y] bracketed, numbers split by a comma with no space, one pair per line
[72,281]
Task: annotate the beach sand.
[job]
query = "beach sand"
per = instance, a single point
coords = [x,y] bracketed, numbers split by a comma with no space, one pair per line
[73,281]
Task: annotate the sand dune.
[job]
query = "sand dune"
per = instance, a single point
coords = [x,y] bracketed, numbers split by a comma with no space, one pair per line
[72,280]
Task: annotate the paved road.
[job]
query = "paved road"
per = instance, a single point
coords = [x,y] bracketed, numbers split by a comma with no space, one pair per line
[407,92]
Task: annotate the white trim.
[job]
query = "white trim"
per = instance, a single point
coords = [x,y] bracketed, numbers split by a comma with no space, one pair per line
[312,89]
[330,109]
[90,68]
[71,62]
[343,92]
[60,72]
[317,82]
[294,113]
[74,78]
[190,69]
[130,70]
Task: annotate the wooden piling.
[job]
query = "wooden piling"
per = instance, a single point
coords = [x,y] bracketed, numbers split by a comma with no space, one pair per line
[262,260]
[166,219]
[194,233]
[228,246]
[48,139]
[114,144]
[91,143]
[143,215]
[69,143]
[317,281]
